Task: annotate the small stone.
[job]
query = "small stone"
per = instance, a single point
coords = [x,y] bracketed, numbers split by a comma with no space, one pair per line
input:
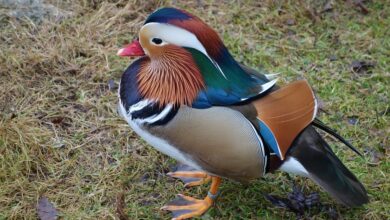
[35,10]
[352,120]
[291,32]
[332,57]
[328,6]
[290,21]
[112,85]
[46,210]
[145,177]
[58,143]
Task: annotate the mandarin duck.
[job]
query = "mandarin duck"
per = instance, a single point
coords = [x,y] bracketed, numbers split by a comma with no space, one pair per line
[190,99]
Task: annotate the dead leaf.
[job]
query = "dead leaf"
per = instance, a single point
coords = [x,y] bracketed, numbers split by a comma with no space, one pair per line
[360,4]
[57,120]
[120,206]
[296,201]
[328,6]
[312,14]
[46,210]
[374,156]
[361,66]
[72,69]
[321,106]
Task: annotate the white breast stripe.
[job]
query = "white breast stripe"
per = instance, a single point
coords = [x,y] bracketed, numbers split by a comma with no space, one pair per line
[156,117]
[139,105]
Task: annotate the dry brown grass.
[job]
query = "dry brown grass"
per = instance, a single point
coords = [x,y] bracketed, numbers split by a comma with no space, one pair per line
[60,136]
[59,133]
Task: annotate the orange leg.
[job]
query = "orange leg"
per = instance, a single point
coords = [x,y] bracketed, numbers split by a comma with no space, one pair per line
[187,207]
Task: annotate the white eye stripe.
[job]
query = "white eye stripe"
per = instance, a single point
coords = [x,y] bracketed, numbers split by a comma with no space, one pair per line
[173,35]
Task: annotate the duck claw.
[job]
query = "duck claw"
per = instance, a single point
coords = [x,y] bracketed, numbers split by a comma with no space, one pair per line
[183,207]
[190,176]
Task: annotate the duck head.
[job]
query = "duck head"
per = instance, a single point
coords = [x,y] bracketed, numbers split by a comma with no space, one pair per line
[184,61]
[171,26]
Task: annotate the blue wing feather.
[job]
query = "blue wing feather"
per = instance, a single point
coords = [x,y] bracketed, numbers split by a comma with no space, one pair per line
[269,137]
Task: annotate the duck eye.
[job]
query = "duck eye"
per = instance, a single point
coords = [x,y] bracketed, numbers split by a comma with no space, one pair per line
[157,40]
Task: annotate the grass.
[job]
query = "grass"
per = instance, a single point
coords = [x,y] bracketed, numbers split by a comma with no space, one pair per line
[60,136]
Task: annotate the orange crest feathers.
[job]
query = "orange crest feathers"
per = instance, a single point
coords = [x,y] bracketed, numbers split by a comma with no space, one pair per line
[170,78]
[205,34]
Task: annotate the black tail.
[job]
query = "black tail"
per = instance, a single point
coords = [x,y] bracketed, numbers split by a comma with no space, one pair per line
[323,166]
